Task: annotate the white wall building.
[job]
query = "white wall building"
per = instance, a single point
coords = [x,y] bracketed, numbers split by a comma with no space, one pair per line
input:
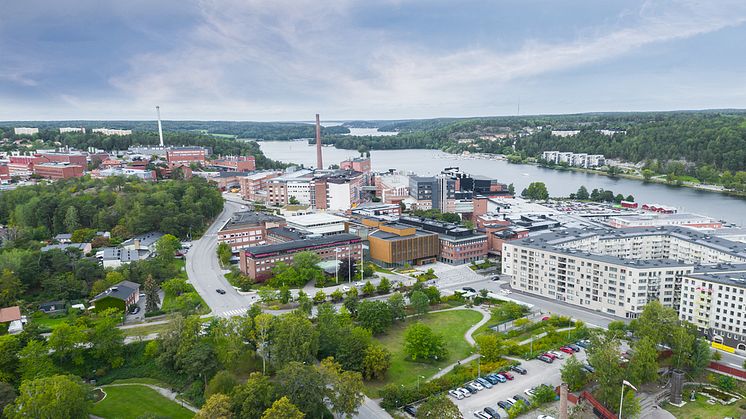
[108,131]
[25,131]
[72,129]
[319,223]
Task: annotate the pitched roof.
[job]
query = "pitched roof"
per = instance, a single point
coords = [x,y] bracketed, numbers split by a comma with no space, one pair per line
[9,314]
[122,291]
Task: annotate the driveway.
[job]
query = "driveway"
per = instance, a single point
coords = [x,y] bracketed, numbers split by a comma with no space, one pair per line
[538,373]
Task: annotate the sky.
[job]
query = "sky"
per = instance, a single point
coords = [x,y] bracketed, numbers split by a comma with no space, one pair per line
[279,60]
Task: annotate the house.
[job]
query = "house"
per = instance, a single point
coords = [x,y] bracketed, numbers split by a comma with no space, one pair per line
[64,238]
[52,307]
[114,257]
[119,296]
[84,248]
[11,317]
[143,243]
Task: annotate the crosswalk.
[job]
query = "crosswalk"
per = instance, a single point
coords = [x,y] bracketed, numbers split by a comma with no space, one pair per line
[233,313]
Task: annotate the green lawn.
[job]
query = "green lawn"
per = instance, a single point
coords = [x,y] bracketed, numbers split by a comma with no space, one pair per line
[700,409]
[45,321]
[133,401]
[145,329]
[452,324]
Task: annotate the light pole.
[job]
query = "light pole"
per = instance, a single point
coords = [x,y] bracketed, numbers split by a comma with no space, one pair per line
[418,382]
[349,263]
[336,265]
[621,398]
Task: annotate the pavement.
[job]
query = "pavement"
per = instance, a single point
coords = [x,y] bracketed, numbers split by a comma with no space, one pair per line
[205,273]
[538,373]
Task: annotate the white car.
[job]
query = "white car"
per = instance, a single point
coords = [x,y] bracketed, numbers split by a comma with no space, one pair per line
[359,283]
[544,417]
[504,291]
[456,394]
[530,392]
[464,392]
[345,288]
[477,386]
[558,354]
[481,415]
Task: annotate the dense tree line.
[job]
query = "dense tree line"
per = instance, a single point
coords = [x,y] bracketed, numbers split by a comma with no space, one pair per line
[240,129]
[123,206]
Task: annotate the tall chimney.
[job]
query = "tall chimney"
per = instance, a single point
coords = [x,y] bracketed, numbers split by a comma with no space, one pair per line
[319,162]
[563,401]
[160,130]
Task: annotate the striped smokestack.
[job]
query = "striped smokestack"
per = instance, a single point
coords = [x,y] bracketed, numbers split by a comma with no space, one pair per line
[319,162]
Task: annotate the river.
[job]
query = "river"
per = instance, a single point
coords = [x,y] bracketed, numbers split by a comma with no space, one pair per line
[559,183]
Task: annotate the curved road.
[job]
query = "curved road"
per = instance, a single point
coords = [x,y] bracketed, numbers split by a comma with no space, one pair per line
[205,274]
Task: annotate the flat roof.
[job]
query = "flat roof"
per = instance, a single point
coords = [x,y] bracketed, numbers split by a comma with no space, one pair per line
[384,235]
[315,219]
[735,278]
[248,219]
[325,241]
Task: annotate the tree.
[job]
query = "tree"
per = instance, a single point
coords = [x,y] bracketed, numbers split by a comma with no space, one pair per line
[517,409]
[700,357]
[320,297]
[295,339]
[433,294]
[285,295]
[726,383]
[643,367]
[167,246]
[420,342]
[582,194]
[283,409]
[438,406]
[368,288]
[603,354]
[352,346]
[9,347]
[630,198]
[305,386]
[536,191]
[351,303]
[67,343]
[647,174]
[490,347]
[420,302]
[72,222]
[10,288]
[224,254]
[152,299]
[107,341]
[263,324]
[58,396]
[221,383]
[7,395]
[573,374]
[330,326]
[681,347]
[252,398]
[34,361]
[511,189]
[384,287]
[337,295]
[374,316]
[217,406]
[347,269]
[656,322]
[544,394]
[305,305]
[376,362]
[293,200]
[397,306]
[346,388]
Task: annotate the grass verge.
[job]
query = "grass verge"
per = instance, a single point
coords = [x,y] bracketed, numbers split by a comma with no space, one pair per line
[133,401]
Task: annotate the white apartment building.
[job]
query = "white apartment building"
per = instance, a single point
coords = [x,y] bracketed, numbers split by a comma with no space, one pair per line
[25,131]
[713,300]
[614,271]
[108,131]
[574,159]
[72,129]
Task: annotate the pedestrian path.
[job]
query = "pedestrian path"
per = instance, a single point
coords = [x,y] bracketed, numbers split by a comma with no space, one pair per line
[469,338]
[233,313]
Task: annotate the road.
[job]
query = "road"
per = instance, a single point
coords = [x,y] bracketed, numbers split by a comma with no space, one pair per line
[205,273]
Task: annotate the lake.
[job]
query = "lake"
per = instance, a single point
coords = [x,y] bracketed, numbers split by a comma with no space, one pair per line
[559,183]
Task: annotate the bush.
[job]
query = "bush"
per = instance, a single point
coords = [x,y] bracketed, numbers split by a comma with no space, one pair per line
[155,313]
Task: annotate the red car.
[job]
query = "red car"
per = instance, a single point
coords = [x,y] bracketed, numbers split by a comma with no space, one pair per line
[545,318]
[507,375]
[549,355]
[567,350]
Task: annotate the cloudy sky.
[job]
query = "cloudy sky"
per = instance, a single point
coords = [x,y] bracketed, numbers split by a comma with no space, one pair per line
[346,59]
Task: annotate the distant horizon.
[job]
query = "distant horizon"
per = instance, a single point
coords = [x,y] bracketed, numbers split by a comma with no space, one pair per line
[311,121]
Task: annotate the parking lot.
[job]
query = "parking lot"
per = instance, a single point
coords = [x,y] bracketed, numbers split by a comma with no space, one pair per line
[538,373]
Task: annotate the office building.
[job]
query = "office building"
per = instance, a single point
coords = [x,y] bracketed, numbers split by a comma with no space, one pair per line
[235,163]
[25,131]
[320,224]
[56,171]
[457,244]
[187,155]
[246,229]
[397,244]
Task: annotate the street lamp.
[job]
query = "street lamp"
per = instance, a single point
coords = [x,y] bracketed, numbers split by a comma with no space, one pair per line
[621,398]
[418,382]
[336,264]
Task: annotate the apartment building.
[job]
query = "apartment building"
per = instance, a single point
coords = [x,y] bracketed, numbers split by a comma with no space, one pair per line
[257,262]
[254,186]
[574,159]
[713,300]
[614,271]
[108,131]
[392,188]
[25,131]
[72,129]
[246,229]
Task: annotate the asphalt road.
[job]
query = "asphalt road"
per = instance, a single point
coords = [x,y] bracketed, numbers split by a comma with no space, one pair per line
[204,270]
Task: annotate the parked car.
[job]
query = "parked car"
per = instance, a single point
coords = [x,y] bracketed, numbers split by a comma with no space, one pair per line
[530,392]
[456,394]
[471,388]
[476,385]
[501,378]
[544,417]
[464,391]
[545,318]
[470,289]
[503,404]
[567,350]
[512,401]
[558,354]
[589,368]
[481,415]
[492,412]
[484,382]
[585,343]
[492,378]
[550,355]
[220,291]
[574,347]
[411,410]
[523,399]
[507,375]
[545,358]
[519,369]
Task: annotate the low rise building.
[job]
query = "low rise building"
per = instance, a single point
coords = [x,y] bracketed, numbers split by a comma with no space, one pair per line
[57,171]
[109,131]
[321,224]
[246,229]
[657,220]
[254,186]
[114,257]
[120,296]
[72,129]
[12,319]
[397,244]
[187,155]
[143,243]
[235,163]
[84,248]
[458,244]
[142,174]
[25,131]
[257,262]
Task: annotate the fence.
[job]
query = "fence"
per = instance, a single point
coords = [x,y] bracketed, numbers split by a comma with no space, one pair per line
[736,372]
[598,408]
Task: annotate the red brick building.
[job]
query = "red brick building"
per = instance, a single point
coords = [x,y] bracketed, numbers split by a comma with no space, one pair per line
[186,155]
[58,170]
[71,158]
[235,163]
[246,229]
[359,164]
[257,262]
[254,187]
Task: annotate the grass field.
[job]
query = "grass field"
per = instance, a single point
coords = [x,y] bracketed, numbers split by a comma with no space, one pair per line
[45,321]
[133,401]
[451,324]
[145,330]
[700,409]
